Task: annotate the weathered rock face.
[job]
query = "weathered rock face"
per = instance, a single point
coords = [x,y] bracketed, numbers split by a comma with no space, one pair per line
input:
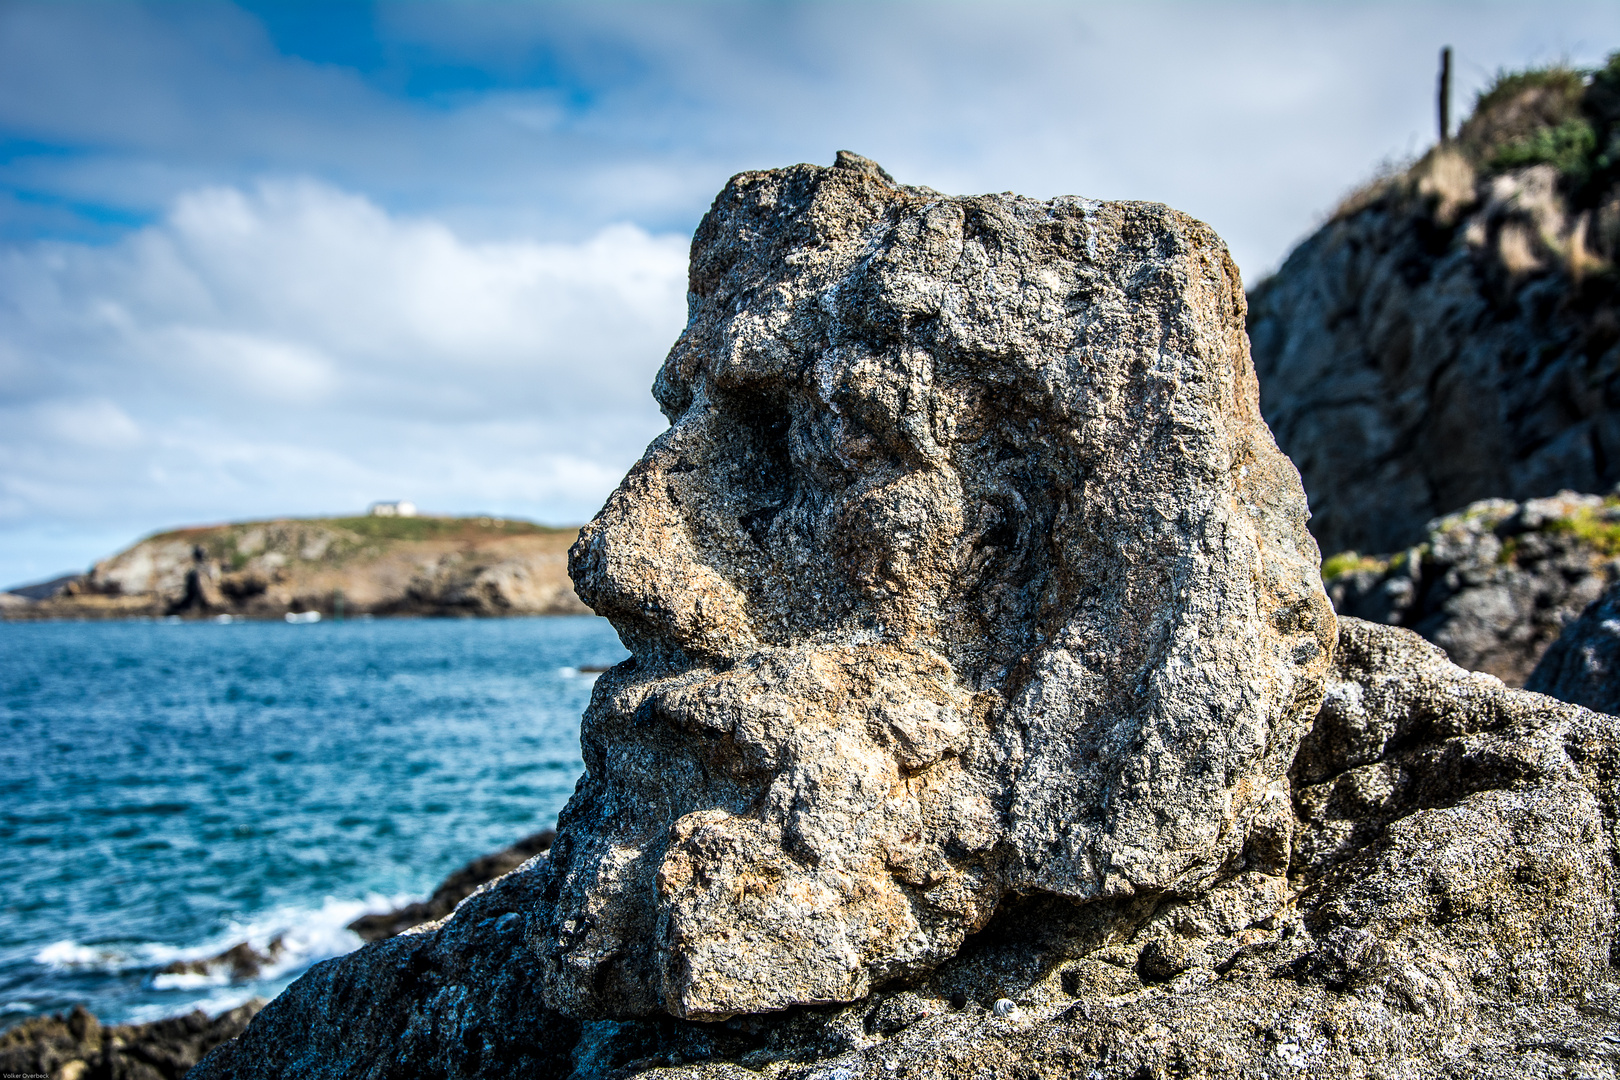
[1453,333]
[1447,909]
[1583,665]
[1493,585]
[967,567]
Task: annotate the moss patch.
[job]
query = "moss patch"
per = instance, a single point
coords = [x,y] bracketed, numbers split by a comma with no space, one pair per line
[1351,562]
[1591,529]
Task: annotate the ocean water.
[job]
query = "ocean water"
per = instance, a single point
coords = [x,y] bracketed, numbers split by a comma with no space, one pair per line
[168,790]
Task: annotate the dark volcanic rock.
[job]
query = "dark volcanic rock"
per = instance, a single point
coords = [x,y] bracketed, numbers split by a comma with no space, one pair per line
[1493,585]
[454,889]
[1583,665]
[77,1047]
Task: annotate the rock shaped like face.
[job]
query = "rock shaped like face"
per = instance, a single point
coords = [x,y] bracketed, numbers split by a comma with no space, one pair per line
[966,567]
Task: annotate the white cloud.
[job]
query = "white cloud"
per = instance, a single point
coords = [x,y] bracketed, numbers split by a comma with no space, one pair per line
[293,348]
[94,423]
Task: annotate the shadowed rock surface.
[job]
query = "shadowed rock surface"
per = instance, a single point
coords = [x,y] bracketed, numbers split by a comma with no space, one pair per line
[76,1046]
[966,568]
[1583,665]
[1493,585]
[1447,909]
[1453,333]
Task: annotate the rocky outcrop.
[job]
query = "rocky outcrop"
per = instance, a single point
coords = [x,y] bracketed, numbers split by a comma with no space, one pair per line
[335,566]
[453,889]
[966,517]
[1583,665]
[76,1046]
[1447,908]
[1453,332]
[1493,585]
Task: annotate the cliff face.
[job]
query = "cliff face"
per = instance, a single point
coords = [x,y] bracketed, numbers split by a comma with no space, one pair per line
[1453,334]
[366,565]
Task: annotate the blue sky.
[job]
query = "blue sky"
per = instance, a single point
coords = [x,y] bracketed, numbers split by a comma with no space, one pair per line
[289,258]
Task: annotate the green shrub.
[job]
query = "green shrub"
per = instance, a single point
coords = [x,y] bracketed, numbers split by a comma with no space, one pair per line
[1565,117]
[1570,148]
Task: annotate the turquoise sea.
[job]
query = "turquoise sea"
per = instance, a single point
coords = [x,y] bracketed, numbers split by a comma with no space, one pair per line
[168,790]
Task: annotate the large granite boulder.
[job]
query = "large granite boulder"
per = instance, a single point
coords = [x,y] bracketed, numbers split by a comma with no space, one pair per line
[981,719]
[1447,909]
[966,568]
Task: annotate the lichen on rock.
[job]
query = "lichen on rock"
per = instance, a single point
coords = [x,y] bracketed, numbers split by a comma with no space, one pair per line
[966,568]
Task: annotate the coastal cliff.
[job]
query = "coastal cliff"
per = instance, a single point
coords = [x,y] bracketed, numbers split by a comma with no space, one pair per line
[481,566]
[1452,333]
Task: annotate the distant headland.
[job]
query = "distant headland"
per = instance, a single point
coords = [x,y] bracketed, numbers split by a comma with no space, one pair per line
[304,569]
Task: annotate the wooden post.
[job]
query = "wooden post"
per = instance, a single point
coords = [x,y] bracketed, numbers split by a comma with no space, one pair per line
[1445,95]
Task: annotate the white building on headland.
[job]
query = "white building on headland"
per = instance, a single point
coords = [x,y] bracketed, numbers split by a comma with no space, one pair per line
[401,508]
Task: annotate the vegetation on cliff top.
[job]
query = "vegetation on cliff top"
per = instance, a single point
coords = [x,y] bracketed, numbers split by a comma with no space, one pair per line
[388,528]
[1565,117]
[334,540]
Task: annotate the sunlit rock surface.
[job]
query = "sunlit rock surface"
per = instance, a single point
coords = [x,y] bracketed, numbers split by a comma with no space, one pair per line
[966,567]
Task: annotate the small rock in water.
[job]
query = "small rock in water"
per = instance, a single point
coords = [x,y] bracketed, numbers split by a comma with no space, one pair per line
[240,961]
